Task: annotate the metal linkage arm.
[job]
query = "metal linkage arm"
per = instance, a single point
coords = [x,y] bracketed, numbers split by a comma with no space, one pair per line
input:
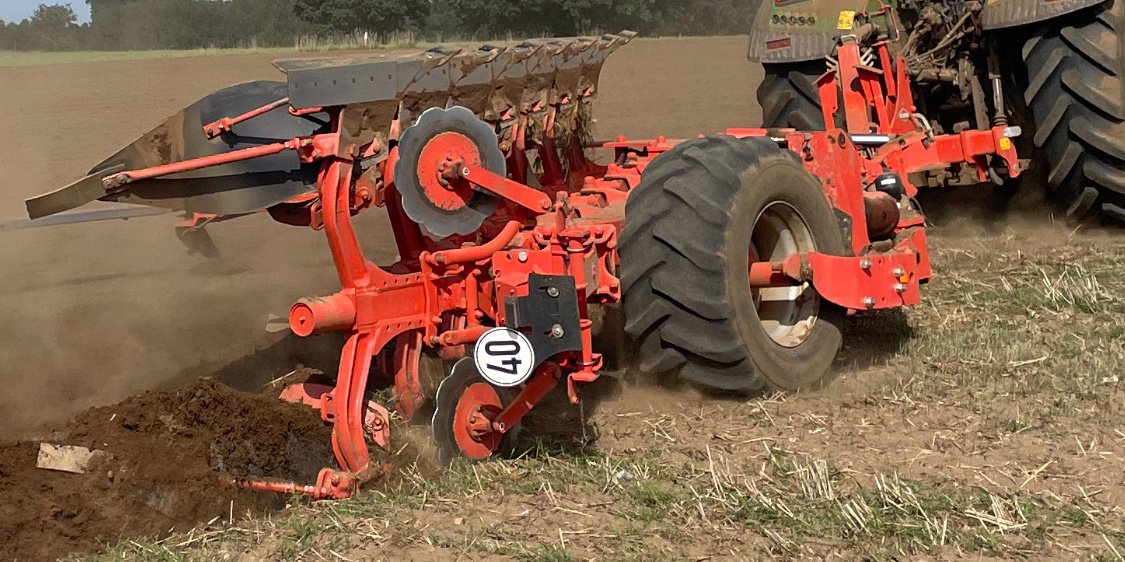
[526,197]
[223,125]
[310,148]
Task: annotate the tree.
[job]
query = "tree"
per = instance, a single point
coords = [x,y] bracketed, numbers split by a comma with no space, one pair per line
[379,16]
[54,27]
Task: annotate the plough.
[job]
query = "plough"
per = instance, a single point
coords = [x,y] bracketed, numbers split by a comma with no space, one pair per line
[732,255]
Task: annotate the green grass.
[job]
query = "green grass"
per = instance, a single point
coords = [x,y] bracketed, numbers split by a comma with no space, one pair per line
[1018,347]
[39,58]
[791,502]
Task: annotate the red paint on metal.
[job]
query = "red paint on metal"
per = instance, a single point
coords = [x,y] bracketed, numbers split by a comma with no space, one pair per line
[476,253]
[537,388]
[225,124]
[445,294]
[472,421]
[522,195]
[322,314]
[439,167]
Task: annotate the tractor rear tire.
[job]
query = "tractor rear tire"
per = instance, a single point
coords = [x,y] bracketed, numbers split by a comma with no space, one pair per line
[1076,93]
[789,97]
[699,213]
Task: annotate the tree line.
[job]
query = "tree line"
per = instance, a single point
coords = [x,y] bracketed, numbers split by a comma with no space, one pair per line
[191,24]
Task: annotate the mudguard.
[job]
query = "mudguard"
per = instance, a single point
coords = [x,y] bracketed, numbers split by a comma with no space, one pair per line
[1010,13]
[802,30]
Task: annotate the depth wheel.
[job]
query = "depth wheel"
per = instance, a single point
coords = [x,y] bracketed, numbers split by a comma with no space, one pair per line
[465,405]
[701,215]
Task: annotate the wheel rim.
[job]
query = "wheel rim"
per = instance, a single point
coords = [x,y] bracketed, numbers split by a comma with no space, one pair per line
[787,314]
[472,421]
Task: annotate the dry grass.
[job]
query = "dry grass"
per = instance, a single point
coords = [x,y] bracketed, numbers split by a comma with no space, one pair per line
[985,423]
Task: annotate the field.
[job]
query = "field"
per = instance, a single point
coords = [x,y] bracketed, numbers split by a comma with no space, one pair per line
[986,423]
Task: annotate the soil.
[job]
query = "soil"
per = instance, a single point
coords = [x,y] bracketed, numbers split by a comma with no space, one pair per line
[167,456]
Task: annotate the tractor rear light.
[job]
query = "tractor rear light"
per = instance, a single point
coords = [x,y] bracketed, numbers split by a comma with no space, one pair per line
[778,44]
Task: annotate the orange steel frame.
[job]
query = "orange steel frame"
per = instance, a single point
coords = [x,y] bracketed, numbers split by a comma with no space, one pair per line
[445,295]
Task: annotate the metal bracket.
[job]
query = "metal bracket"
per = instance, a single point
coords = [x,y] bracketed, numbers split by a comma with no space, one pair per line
[548,315]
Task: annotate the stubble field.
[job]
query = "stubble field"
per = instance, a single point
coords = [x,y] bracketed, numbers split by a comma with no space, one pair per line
[985,424]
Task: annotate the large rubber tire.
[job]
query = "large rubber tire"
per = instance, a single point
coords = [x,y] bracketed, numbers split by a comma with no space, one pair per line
[1076,92]
[789,97]
[684,263]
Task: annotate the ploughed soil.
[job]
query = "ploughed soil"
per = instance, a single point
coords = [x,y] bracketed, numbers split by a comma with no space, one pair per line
[167,455]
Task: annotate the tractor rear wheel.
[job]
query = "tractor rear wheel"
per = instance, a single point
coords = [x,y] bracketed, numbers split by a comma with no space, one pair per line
[1076,92]
[703,212]
[789,97]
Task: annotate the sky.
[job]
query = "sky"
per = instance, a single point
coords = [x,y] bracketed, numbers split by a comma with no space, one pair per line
[17,10]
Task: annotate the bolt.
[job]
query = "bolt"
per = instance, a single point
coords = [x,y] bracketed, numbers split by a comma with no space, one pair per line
[865,264]
[869,302]
[898,272]
[900,288]
[557,331]
[553,292]
[522,256]
[465,171]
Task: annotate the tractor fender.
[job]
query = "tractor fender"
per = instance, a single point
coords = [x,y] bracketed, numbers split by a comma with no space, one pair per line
[799,30]
[802,30]
[999,14]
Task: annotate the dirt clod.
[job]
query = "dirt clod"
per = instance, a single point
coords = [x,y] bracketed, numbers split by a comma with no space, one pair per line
[167,455]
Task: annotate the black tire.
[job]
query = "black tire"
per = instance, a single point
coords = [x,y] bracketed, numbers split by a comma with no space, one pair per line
[789,97]
[1076,93]
[684,258]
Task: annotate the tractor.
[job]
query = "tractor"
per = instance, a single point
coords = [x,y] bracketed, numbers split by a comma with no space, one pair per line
[734,256]
[1055,68]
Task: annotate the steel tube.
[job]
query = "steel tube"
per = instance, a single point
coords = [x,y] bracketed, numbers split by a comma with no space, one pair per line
[322,314]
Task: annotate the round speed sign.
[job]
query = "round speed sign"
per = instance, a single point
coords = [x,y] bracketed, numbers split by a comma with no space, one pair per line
[504,357]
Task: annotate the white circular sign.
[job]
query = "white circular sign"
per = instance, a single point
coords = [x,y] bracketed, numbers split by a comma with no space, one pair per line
[504,357]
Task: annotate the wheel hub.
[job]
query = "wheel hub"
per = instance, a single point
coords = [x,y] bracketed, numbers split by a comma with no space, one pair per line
[787,314]
[472,422]
[439,170]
